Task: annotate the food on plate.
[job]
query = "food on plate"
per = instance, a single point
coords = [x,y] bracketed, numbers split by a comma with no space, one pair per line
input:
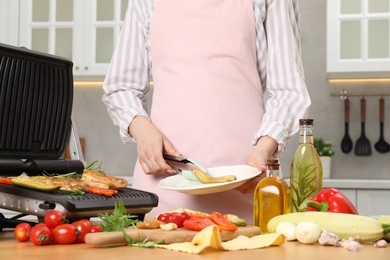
[205,178]
[343,225]
[331,200]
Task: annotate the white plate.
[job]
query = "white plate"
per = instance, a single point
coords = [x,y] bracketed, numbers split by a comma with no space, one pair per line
[181,184]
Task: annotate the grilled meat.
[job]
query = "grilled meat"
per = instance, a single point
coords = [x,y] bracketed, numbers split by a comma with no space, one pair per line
[103,180]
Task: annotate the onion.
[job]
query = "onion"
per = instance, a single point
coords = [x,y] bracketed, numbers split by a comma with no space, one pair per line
[287,229]
[307,232]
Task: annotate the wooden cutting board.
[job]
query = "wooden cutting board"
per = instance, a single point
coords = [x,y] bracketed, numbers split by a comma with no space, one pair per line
[169,237]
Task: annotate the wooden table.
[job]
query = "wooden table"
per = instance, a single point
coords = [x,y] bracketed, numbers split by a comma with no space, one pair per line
[11,249]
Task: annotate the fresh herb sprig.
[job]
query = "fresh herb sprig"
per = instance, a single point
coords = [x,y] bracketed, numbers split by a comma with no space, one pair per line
[118,220]
[140,242]
[92,167]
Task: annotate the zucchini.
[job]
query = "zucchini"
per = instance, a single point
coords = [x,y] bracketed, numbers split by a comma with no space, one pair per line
[33,183]
[343,225]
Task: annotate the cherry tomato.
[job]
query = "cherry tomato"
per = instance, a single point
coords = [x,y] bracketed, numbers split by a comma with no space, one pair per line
[223,222]
[96,228]
[173,217]
[22,232]
[54,218]
[197,223]
[83,227]
[65,234]
[41,235]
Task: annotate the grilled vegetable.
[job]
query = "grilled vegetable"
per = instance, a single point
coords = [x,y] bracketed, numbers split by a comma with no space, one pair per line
[343,225]
[206,178]
[33,183]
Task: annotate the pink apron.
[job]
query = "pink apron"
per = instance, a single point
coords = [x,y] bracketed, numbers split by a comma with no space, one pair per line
[207,98]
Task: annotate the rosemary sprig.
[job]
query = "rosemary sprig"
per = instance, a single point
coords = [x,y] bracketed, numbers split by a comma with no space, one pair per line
[96,169]
[140,243]
[118,220]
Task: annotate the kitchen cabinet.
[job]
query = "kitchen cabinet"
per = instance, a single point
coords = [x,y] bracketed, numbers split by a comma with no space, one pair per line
[358,37]
[82,31]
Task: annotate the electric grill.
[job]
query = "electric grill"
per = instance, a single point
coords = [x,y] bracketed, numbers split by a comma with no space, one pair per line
[36,98]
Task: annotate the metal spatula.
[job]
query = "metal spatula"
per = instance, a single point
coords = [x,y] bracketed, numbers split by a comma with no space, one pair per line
[363,145]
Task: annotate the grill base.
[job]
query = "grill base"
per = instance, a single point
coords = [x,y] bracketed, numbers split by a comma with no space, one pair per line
[37,203]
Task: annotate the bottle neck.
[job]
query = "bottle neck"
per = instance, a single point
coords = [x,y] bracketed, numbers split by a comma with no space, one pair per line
[306,134]
[273,170]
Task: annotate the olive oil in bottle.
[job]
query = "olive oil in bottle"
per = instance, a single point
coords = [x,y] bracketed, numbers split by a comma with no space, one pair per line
[306,169]
[271,196]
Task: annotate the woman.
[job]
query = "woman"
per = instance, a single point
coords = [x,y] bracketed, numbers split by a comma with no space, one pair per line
[211,61]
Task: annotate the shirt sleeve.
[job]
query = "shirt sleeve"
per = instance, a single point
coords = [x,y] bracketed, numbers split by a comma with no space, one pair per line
[127,81]
[280,70]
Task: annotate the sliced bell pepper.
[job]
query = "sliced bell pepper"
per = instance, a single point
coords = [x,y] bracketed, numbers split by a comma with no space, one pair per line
[331,200]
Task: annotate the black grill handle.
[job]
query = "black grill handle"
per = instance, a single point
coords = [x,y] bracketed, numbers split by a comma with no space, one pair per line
[14,167]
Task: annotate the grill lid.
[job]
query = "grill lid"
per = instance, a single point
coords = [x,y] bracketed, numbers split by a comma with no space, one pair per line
[36,97]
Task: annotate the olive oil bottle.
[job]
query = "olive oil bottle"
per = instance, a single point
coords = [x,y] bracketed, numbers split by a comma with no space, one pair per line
[306,169]
[271,196]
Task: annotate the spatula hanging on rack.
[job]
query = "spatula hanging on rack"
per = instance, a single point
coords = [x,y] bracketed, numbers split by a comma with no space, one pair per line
[382,146]
[346,142]
[363,145]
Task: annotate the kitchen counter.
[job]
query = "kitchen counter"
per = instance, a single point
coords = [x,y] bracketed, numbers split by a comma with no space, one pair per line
[10,248]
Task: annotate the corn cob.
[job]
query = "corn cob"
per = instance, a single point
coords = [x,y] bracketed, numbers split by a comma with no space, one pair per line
[344,225]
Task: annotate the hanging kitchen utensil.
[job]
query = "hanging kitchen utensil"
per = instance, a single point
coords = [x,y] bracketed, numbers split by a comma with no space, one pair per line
[346,142]
[382,146]
[363,145]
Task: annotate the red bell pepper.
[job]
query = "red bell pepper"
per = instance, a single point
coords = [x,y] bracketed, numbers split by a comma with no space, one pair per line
[331,200]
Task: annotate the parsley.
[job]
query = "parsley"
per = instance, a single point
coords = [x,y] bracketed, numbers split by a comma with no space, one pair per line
[118,220]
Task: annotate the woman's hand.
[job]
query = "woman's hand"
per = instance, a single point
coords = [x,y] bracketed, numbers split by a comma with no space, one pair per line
[151,142]
[264,150]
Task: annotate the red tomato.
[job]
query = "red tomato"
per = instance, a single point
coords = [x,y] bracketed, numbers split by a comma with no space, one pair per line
[83,227]
[223,222]
[197,223]
[41,235]
[173,217]
[54,218]
[22,232]
[65,234]
[96,228]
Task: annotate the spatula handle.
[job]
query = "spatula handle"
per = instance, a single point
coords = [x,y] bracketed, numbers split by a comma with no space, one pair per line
[381,110]
[363,109]
[346,110]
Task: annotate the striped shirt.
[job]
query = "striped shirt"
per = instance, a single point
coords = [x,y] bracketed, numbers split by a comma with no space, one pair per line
[278,61]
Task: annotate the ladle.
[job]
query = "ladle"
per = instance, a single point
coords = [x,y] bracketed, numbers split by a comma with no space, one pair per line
[382,146]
